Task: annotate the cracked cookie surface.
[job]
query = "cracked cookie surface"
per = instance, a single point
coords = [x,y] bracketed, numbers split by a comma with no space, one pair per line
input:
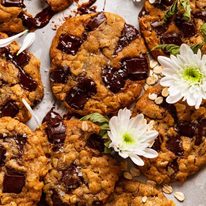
[19,79]
[134,193]
[181,143]
[98,64]
[22,164]
[59,5]
[80,173]
[175,30]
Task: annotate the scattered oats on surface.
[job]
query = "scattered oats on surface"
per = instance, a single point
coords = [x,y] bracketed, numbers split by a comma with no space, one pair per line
[153,63]
[159,100]
[152,96]
[165,92]
[146,87]
[127,175]
[150,182]
[151,80]
[135,172]
[167,189]
[144,199]
[85,126]
[179,196]
[158,70]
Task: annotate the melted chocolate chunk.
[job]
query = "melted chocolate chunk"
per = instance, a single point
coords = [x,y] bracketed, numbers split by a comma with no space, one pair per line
[55,130]
[129,33]
[42,201]
[159,27]
[164,2]
[9,109]
[19,62]
[71,178]
[39,21]
[97,203]
[69,44]
[157,144]
[201,132]
[200,15]
[137,68]
[174,165]
[171,38]
[60,75]
[20,141]
[80,94]
[2,155]
[186,27]
[13,182]
[87,7]
[95,22]
[174,144]
[187,129]
[96,142]
[171,109]
[13,3]
[114,78]
[57,200]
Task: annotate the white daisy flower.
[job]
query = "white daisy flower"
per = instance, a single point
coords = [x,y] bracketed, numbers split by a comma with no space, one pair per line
[132,137]
[185,76]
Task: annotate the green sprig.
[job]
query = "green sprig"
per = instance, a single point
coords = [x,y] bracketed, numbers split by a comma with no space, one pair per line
[185,6]
[203,31]
[171,12]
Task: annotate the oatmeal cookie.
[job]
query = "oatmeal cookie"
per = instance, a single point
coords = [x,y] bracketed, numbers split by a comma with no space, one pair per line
[181,143]
[159,27]
[80,173]
[22,164]
[19,79]
[98,63]
[134,193]
[59,5]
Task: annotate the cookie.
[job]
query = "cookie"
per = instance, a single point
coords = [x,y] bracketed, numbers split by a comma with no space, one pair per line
[59,5]
[181,143]
[80,173]
[157,29]
[135,193]
[22,164]
[98,64]
[19,79]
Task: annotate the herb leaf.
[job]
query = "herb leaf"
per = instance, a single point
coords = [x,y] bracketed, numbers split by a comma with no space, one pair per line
[96,118]
[171,12]
[185,6]
[196,47]
[171,48]
[203,31]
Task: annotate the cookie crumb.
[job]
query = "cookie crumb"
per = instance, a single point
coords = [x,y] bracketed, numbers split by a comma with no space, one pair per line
[179,196]
[150,182]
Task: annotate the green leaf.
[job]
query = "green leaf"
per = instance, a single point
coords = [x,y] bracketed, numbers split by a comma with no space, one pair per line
[203,31]
[171,12]
[185,6]
[96,118]
[171,48]
[196,47]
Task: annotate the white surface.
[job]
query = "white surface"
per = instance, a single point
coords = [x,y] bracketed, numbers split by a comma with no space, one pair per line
[195,188]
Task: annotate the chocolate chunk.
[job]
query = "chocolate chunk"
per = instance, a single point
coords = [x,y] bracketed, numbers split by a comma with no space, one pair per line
[2,155]
[114,78]
[171,109]
[69,44]
[55,130]
[200,15]
[19,62]
[71,178]
[174,144]
[60,75]
[174,165]
[157,144]
[39,21]
[171,38]
[9,109]
[97,203]
[13,182]
[95,22]
[186,27]
[20,141]
[163,2]
[187,129]
[13,3]
[80,94]
[86,7]
[42,201]
[57,200]
[129,33]
[96,142]
[201,132]
[137,68]
[159,27]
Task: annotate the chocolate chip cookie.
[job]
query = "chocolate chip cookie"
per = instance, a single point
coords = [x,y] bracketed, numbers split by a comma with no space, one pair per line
[98,63]
[59,5]
[80,173]
[22,164]
[19,79]
[181,143]
[137,194]
[168,22]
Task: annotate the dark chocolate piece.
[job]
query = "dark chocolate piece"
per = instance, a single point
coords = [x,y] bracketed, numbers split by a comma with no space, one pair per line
[96,142]
[10,109]
[57,200]
[87,7]
[159,27]
[13,3]
[2,155]
[171,38]
[60,75]
[200,15]
[174,144]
